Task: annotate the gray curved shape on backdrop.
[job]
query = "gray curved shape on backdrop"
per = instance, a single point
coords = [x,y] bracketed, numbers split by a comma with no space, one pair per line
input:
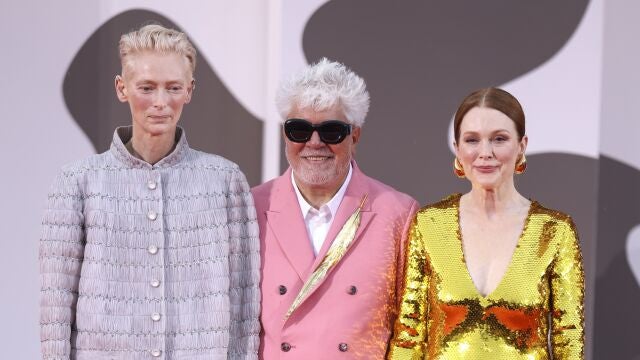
[419,59]
[617,292]
[214,120]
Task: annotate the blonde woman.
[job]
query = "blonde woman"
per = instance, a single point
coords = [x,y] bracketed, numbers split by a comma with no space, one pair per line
[151,250]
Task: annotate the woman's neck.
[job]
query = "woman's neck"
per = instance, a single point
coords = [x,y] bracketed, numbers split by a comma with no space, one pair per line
[152,148]
[494,201]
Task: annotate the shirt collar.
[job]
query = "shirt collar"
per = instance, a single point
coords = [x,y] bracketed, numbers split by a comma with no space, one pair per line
[332,204]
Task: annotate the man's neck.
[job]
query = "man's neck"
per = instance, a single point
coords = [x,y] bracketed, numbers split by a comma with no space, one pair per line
[317,197]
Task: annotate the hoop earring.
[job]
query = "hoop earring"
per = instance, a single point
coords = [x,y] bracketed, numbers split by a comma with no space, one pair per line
[458,170]
[521,166]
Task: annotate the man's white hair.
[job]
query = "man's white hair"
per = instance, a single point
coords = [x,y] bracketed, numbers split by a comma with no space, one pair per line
[324,86]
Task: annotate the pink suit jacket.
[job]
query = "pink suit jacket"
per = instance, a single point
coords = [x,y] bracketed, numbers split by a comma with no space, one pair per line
[350,314]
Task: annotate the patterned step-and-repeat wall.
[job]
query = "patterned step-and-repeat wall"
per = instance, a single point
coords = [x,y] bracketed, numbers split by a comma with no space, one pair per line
[573,65]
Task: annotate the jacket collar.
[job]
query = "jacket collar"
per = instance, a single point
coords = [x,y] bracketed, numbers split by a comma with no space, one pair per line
[123,134]
[357,187]
[285,220]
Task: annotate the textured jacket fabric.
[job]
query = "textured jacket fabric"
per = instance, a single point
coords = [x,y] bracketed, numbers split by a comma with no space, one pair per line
[350,314]
[143,261]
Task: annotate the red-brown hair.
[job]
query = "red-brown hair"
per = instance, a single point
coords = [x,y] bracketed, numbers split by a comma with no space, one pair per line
[493,98]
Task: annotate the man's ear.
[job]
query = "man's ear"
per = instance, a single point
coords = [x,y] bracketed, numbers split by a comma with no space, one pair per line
[121,90]
[355,138]
[355,134]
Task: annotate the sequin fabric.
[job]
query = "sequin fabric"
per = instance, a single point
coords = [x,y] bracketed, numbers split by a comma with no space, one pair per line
[536,312]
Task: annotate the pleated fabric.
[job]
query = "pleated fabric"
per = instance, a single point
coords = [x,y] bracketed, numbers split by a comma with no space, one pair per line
[143,261]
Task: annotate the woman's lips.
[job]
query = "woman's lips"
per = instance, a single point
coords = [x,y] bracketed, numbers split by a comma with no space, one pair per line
[486,169]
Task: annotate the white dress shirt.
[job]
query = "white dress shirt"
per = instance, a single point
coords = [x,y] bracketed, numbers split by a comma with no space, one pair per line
[318,221]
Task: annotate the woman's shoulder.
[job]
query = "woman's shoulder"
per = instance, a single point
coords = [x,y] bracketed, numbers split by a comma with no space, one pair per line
[549,214]
[553,220]
[446,208]
[449,202]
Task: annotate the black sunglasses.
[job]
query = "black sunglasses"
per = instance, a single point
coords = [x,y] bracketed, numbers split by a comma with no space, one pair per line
[330,131]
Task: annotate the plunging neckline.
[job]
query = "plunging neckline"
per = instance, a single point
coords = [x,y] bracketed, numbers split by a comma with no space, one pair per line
[525,226]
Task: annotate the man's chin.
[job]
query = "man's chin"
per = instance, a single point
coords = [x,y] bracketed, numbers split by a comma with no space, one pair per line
[319,177]
[314,177]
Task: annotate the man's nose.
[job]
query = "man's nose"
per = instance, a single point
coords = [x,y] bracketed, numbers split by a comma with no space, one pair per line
[315,140]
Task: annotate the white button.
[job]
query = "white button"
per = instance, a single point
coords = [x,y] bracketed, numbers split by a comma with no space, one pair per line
[155,317]
[155,283]
[156,353]
[152,249]
[152,215]
[152,185]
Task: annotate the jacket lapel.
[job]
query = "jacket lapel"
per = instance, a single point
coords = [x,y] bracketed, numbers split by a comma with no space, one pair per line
[284,218]
[352,198]
[357,188]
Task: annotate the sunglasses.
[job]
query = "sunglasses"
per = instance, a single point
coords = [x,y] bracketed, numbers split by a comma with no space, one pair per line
[330,131]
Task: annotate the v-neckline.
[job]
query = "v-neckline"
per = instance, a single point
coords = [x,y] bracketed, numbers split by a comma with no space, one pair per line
[473,285]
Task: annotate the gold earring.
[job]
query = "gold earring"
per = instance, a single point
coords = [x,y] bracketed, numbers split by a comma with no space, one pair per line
[457,168]
[521,166]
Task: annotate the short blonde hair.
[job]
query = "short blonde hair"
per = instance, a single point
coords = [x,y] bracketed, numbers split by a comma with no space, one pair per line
[158,38]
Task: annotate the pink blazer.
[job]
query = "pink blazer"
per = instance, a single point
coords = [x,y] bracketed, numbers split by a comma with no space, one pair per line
[351,313]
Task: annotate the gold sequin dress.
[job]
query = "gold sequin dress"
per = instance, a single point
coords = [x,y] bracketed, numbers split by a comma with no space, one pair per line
[443,316]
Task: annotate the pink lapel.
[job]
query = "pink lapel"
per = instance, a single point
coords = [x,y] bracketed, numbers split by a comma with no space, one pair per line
[284,218]
[357,188]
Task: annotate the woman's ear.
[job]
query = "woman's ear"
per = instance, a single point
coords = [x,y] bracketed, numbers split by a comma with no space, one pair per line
[523,144]
[190,89]
[121,90]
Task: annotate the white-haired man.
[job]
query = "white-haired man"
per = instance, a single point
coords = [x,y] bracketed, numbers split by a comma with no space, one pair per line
[150,250]
[331,238]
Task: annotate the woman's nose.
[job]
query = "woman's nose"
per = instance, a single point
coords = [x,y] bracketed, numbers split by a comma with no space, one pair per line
[486,150]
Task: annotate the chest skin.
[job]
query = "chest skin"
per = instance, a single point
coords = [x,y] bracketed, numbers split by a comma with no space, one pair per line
[488,244]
